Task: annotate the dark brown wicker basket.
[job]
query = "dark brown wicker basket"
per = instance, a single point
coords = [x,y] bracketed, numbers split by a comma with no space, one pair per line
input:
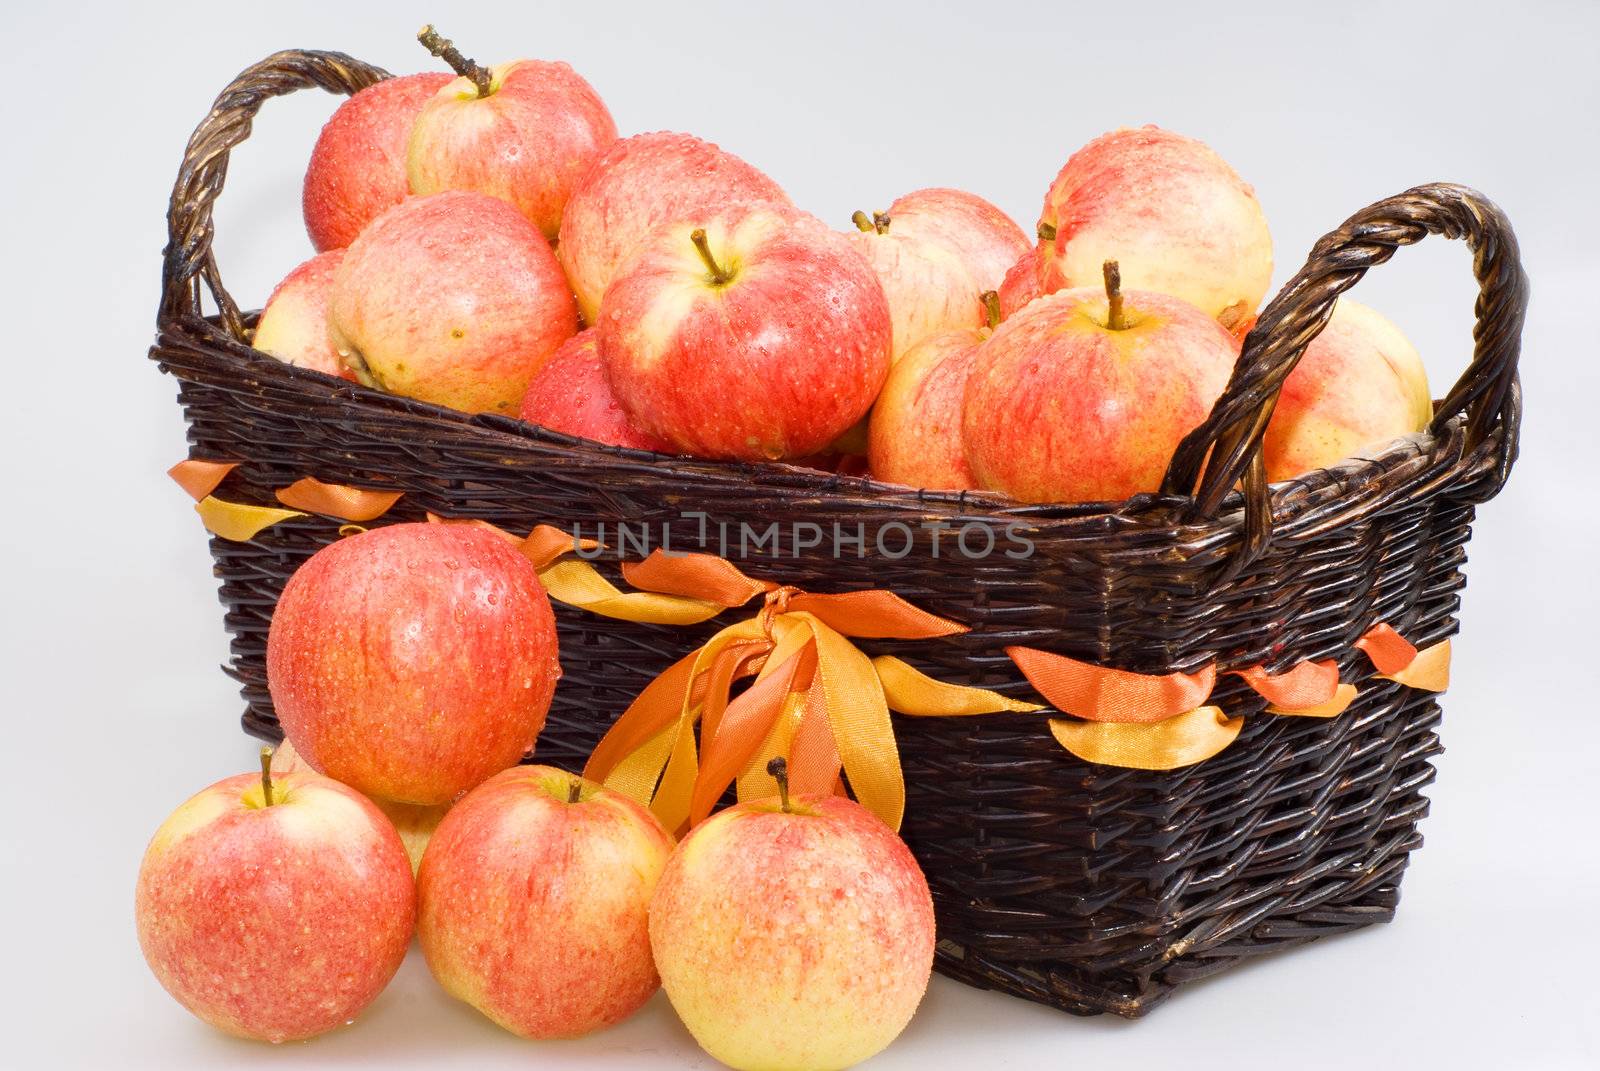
[1085,887]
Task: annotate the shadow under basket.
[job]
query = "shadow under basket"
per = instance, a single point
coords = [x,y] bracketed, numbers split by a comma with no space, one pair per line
[1086,887]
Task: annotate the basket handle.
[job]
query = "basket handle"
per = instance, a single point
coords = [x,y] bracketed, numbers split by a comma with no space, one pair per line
[1227,448]
[188,258]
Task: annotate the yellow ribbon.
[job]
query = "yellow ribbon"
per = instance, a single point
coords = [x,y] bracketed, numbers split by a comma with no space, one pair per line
[1181,740]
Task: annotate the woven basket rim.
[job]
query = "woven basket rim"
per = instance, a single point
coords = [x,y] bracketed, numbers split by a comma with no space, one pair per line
[1425,450]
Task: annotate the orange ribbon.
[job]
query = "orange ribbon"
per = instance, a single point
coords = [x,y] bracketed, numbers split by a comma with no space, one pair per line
[1307,690]
[1389,651]
[337,500]
[1102,694]
[199,477]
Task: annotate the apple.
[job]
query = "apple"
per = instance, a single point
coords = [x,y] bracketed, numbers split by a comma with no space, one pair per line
[525,132]
[1170,211]
[1084,394]
[571,394]
[986,239]
[793,933]
[414,822]
[915,435]
[752,335]
[413,661]
[534,902]
[638,184]
[453,298]
[358,166]
[1023,281]
[1359,384]
[936,251]
[275,907]
[294,325]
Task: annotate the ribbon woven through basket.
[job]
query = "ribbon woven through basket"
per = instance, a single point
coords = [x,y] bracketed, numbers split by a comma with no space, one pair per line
[816,698]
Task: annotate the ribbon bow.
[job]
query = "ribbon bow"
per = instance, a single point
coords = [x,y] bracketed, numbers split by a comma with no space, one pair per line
[816,699]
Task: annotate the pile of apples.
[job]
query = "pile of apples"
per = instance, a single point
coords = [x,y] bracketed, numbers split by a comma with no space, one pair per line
[487,242]
[412,667]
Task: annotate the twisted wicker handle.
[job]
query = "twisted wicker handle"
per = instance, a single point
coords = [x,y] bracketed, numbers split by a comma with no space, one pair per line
[188,258]
[1227,448]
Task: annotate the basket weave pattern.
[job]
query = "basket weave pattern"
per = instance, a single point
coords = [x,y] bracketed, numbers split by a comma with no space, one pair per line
[1085,887]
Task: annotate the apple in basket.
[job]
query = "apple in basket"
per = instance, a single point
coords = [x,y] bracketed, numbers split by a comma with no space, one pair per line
[294,325]
[1023,281]
[753,335]
[275,908]
[1084,394]
[1170,211]
[638,184]
[571,394]
[915,432]
[414,822]
[534,900]
[358,166]
[525,132]
[413,661]
[793,933]
[453,298]
[1359,384]
[936,251]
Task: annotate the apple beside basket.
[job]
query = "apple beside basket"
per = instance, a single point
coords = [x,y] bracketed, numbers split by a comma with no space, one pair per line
[1086,887]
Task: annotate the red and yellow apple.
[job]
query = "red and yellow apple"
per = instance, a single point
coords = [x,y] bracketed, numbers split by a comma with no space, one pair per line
[638,184]
[986,239]
[527,137]
[793,934]
[454,299]
[752,335]
[413,821]
[1023,281]
[294,325]
[1359,385]
[276,913]
[571,394]
[358,167]
[915,435]
[1083,395]
[1170,211]
[534,902]
[413,661]
[935,251]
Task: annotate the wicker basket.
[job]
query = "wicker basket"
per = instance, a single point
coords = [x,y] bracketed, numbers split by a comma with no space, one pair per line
[1084,887]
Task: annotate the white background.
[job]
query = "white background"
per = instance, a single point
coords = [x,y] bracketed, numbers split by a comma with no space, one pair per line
[114,708]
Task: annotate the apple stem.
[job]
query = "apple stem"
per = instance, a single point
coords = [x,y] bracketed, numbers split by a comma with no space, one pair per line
[719,275]
[1045,231]
[266,775]
[575,790]
[862,221]
[446,50]
[991,308]
[778,769]
[1113,276]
